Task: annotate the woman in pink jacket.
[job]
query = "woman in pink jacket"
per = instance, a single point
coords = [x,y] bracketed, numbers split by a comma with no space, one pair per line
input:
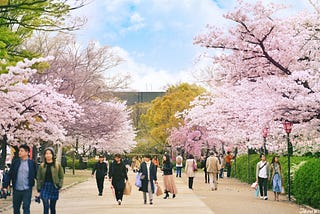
[190,169]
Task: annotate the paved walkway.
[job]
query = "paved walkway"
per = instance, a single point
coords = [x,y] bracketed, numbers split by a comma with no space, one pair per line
[83,198]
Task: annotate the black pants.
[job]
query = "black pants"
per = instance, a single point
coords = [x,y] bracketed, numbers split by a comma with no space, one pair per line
[100,182]
[263,186]
[118,193]
[206,176]
[228,166]
[190,182]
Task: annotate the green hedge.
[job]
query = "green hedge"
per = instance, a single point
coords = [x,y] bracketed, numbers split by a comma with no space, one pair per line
[306,171]
[90,164]
[306,184]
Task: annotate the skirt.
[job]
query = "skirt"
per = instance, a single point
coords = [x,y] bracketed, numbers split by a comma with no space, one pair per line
[169,184]
[49,191]
[276,183]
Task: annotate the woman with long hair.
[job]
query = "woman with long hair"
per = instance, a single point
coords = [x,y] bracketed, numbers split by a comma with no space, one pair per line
[169,184]
[276,177]
[49,181]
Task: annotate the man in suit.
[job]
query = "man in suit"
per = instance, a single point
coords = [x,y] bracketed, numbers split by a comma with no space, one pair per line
[212,165]
[148,178]
[22,173]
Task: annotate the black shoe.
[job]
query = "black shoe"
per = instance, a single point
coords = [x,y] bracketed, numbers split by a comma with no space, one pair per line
[174,195]
[145,202]
[151,202]
[100,194]
[166,196]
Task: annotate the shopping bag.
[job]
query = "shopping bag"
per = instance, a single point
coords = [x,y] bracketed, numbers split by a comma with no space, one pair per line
[158,190]
[257,192]
[127,188]
[283,192]
[254,185]
[138,180]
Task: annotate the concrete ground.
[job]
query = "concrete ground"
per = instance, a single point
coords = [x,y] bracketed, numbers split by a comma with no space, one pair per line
[232,197]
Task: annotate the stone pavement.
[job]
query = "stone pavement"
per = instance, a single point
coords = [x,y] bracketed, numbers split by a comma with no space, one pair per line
[83,198]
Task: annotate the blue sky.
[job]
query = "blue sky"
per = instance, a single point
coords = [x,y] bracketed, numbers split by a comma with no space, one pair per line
[155,37]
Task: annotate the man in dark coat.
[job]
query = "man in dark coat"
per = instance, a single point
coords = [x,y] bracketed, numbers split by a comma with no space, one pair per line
[22,173]
[148,178]
[101,169]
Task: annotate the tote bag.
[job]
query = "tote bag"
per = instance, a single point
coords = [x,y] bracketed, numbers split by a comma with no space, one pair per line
[127,188]
[138,180]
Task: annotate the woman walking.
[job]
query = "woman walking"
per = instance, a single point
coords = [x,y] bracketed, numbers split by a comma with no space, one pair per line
[276,177]
[190,169]
[49,181]
[169,185]
[118,175]
[262,176]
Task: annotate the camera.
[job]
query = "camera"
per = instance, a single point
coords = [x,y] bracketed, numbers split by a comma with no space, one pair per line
[37,199]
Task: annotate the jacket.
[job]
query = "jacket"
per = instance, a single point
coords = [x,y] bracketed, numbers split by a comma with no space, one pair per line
[167,168]
[13,173]
[57,175]
[152,176]
[101,169]
[189,167]
[212,164]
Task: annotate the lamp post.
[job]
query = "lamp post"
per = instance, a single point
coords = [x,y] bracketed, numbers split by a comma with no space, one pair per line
[288,127]
[264,135]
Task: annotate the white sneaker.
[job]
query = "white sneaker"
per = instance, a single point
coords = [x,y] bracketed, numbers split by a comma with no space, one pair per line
[265,198]
[119,202]
[261,197]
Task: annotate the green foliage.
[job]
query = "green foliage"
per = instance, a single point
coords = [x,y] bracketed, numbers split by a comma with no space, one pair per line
[306,184]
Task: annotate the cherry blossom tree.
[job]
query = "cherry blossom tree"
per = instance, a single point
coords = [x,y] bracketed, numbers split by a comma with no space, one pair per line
[268,73]
[32,112]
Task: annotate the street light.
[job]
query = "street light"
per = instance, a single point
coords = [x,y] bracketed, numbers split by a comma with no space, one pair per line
[264,135]
[288,127]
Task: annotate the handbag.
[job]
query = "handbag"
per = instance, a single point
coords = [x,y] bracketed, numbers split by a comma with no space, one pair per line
[283,192]
[127,188]
[195,168]
[158,190]
[138,182]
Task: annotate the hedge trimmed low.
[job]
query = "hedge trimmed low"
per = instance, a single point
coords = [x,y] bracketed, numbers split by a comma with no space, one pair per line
[306,184]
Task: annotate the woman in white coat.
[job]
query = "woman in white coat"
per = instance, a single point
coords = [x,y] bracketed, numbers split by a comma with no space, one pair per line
[190,168]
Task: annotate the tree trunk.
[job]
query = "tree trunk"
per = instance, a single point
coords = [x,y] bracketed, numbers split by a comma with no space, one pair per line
[3,152]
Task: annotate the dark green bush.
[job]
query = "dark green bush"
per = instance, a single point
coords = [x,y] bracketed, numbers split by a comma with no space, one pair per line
[306,184]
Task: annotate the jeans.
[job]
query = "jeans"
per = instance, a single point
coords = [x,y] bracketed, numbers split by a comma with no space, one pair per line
[47,203]
[178,171]
[263,186]
[221,173]
[21,196]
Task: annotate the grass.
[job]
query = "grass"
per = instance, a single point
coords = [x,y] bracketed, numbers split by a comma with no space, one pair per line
[69,179]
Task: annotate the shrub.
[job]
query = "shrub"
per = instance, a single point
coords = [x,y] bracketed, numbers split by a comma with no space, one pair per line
[306,184]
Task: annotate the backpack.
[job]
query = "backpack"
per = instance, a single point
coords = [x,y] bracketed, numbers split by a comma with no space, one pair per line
[179,160]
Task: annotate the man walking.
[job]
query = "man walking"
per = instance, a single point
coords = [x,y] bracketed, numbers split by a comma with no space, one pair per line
[22,174]
[212,165]
[101,169]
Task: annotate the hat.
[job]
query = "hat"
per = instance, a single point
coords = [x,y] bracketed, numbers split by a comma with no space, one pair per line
[51,149]
[101,156]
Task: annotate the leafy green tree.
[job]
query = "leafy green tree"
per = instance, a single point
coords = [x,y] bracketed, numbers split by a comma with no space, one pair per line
[20,18]
[161,116]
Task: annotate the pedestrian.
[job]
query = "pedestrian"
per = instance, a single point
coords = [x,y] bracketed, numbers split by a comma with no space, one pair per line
[262,176]
[155,161]
[101,170]
[22,173]
[228,160]
[222,164]
[212,165]
[179,165]
[203,166]
[49,181]
[118,176]
[169,184]
[190,170]
[64,163]
[148,178]
[276,177]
